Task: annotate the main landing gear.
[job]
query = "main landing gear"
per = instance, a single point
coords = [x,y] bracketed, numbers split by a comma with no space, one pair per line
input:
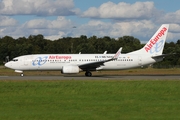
[21,74]
[88,74]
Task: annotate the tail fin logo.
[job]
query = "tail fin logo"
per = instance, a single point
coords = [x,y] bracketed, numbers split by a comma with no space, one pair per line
[154,41]
[157,47]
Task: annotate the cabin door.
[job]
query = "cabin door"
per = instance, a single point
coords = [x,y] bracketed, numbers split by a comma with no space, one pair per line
[25,61]
[139,60]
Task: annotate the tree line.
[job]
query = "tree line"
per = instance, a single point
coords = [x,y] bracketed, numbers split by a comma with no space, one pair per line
[37,44]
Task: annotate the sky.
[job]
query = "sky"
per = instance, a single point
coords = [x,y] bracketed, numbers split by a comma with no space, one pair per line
[55,19]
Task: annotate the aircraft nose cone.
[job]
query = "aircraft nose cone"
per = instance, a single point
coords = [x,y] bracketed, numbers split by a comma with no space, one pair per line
[8,65]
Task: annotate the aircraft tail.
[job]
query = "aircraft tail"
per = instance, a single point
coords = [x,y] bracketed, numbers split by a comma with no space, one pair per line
[155,45]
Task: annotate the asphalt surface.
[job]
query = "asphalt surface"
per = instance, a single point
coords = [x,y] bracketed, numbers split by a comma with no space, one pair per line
[76,77]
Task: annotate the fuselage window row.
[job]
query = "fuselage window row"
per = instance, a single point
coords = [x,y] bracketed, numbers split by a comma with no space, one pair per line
[83,60]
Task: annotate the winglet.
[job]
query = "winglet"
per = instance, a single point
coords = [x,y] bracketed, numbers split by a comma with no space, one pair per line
[105,52]
[117,53]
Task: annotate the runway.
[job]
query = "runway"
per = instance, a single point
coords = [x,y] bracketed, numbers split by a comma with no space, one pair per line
[78,77]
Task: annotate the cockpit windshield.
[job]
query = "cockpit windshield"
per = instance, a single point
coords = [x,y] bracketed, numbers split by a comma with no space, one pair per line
[15,60]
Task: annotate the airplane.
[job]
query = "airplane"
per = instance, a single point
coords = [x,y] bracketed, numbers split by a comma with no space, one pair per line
[75,63]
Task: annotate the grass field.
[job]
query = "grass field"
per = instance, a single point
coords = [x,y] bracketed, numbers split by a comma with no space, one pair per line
[89,100]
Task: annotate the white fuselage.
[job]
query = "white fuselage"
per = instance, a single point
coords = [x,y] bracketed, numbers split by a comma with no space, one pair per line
[57,61]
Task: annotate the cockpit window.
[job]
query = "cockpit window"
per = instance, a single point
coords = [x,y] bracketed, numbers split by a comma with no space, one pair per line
[15,60]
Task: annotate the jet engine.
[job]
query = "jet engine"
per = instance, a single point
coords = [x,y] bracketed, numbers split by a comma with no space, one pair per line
[70,69]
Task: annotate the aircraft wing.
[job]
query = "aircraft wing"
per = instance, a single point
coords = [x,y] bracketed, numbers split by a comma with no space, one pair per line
[94,65]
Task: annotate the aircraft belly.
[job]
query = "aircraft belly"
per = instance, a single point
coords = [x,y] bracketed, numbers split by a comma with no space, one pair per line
[46,66]
[50,67]
[115,65]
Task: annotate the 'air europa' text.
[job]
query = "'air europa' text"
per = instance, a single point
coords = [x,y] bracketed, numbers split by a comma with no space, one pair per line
[154,41]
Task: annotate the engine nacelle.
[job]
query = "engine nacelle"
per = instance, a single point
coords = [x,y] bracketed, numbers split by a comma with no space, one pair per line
[70,69]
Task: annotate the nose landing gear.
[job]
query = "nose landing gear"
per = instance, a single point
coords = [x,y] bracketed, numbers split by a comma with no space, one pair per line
[20,71]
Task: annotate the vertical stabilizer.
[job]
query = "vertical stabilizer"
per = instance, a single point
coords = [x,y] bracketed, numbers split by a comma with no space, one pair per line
[155,45]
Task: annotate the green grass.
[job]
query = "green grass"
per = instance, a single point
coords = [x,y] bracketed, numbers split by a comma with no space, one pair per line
[89,100]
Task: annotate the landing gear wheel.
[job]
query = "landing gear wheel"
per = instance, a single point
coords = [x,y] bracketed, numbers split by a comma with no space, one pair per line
[89,74]
[22,74]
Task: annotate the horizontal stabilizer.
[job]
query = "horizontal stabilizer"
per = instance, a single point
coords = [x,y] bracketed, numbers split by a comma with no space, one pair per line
[163,55]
